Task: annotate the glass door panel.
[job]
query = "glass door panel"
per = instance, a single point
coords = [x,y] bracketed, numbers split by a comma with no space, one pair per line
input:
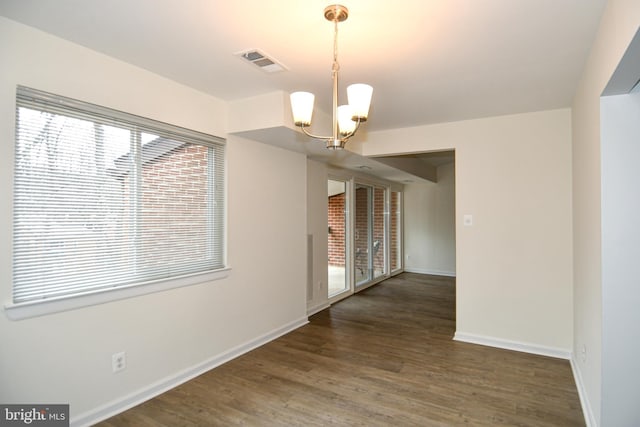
[395,230]
[337,237]
[377,249]
[362,234]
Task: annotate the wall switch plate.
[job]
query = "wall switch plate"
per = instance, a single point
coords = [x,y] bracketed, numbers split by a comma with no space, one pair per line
[467,220]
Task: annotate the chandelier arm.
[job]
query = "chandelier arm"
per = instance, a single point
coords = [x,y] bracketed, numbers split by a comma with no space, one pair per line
[309,134]
[330,138]
[350,134]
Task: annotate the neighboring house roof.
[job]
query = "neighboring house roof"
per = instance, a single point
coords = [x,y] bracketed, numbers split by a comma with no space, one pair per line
[151,151]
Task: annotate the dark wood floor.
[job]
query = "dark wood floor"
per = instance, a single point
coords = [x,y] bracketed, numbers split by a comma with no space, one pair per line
[383,357]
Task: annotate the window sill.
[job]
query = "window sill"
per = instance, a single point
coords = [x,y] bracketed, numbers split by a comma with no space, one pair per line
[40,308]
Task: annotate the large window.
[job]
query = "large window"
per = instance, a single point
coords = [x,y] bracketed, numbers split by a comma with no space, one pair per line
[106,200]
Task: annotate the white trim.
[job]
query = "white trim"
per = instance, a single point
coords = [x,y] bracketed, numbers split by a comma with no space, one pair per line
[55,305]
[587,410]
[559,353]
[431,272]
[119,405]
[317,308]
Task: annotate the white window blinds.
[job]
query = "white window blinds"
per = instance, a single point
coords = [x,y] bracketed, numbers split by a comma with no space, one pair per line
[104,199]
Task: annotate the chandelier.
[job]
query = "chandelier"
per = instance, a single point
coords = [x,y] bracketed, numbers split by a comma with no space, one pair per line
[346,118]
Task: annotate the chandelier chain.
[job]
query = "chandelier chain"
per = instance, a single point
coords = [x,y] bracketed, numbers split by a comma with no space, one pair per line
[336,65]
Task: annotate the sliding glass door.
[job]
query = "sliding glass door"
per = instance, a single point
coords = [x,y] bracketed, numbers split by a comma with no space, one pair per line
[337,236]
[370,234]
[378,230]
[395,230]
[364,235]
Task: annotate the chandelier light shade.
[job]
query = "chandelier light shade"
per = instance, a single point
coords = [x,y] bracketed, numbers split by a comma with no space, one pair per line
[302,108]
[346,125]
[346,118]
[359,97]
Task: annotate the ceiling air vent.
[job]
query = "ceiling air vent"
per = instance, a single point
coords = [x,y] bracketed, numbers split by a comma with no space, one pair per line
[261,60]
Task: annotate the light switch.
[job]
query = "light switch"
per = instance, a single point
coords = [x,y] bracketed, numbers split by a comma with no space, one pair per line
[467,220]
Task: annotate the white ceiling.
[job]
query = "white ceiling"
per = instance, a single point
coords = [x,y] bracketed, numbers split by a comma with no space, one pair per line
[429,61]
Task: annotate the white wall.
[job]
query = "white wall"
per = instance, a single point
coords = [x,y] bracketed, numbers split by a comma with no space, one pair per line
[513,266]
[620,255]
[430,225]
[618,25]
[66,357]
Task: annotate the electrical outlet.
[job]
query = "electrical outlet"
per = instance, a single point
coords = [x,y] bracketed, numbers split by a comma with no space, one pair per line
[583,353]
[118,361]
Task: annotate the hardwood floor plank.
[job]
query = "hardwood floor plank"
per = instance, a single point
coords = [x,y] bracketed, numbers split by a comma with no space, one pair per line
[383,357]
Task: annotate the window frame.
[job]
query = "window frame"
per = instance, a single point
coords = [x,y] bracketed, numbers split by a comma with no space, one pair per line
[59,104]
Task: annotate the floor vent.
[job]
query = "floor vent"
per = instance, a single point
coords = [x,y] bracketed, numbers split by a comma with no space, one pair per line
[261,60]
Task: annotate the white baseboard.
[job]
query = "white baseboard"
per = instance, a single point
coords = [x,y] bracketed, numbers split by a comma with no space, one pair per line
[317,308]
[115,407]
[431,272]
[587,410]
[558,353]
